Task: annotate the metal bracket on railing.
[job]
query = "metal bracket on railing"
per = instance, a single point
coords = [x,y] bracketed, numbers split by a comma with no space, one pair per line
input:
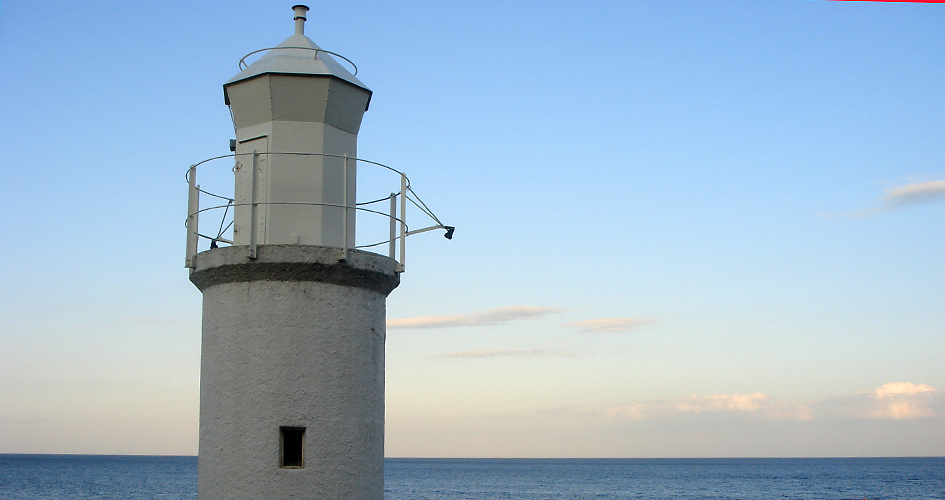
[448,235]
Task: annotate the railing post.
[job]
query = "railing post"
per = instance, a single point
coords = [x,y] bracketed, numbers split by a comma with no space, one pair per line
[392,251]
[252,217]
[193,209]
[344,222]
[403,223]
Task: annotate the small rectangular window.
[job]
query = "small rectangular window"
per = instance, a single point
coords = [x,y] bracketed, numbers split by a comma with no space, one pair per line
[292,442]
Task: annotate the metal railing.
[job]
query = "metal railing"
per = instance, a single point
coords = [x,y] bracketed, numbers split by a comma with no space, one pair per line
[243,65]
[397,215]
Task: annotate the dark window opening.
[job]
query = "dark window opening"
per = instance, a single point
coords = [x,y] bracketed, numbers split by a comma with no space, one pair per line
[292,444]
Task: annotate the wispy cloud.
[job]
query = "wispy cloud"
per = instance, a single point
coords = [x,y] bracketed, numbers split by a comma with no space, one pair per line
[915,193]
[894,400]
[494,354]
[490,317]
[609,324]
[906,195]
[756,404]
[893,389]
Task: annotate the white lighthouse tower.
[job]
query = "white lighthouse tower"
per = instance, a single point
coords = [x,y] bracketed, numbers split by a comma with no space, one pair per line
[292,359]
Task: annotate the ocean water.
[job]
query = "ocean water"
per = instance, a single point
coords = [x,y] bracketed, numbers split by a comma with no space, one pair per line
[141,477]
[55,477]
[751,478]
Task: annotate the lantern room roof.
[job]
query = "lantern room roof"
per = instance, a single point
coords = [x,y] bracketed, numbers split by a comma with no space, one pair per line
[297,55]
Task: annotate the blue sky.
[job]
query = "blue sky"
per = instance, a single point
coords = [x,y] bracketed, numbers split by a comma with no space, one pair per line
[683,228]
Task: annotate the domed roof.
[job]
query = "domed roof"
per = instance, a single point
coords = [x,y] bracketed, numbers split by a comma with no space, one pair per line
[297,55]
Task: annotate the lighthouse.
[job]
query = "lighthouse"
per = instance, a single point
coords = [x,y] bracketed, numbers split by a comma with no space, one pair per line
[293,332]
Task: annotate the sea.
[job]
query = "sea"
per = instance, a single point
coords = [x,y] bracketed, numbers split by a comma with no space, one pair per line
[52,477]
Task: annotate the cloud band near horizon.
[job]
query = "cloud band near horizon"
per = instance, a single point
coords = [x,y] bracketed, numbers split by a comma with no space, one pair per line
[893,400]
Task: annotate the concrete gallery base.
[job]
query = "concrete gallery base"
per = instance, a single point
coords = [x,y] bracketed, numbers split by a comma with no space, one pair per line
[292,372]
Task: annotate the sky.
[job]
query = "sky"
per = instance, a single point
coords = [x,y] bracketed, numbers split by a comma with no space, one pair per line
[684,229]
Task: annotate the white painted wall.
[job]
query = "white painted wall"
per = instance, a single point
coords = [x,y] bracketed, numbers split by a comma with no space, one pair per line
[303,354]
[303,125]
[296,179]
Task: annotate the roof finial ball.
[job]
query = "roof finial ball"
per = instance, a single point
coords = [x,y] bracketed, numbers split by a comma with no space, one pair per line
[300,18]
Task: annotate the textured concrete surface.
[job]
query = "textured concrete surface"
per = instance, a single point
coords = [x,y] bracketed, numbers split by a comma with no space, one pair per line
[292,339]
[295,263]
